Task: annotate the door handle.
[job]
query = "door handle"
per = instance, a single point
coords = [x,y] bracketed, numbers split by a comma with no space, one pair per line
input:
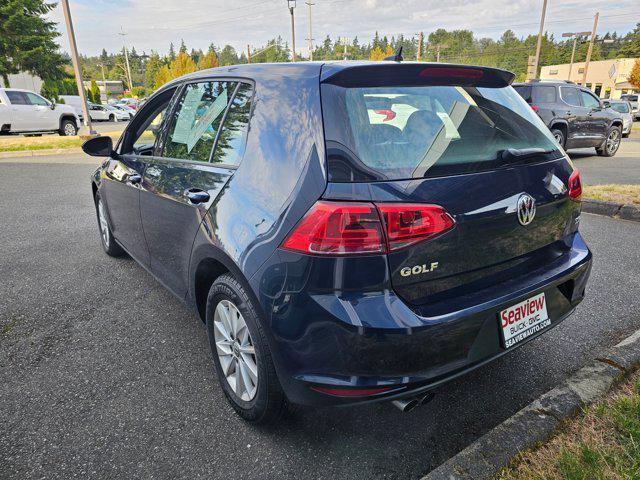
[196,195]
[135,178]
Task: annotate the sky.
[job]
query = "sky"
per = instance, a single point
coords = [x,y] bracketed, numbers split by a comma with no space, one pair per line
[153,24]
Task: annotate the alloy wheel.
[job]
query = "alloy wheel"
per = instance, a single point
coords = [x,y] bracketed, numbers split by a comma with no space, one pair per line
[235,350]
[613,141]
[104,227]
[69,130]
[558,138]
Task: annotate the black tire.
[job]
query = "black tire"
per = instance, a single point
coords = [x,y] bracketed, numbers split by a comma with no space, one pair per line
[611,144]
[112,118]
[109,243]
[559,136]
[68,128]
[269,403]
[626,135]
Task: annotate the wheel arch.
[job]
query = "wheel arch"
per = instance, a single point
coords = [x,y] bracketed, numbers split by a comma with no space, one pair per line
[67,116]
[209,262]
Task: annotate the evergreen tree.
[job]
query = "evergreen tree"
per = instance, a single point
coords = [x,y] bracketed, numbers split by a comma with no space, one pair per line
[95,92]
[172,52]
[152,68]
[27,40]
[183,47]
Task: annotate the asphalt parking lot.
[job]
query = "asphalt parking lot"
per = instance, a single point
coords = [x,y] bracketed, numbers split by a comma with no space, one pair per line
[104,374]
[624,167]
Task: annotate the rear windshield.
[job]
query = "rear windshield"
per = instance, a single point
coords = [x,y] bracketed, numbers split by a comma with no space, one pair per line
[390,133]
[631,98]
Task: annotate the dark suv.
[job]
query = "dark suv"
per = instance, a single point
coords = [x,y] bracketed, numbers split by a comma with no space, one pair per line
[575,116]
[349,232]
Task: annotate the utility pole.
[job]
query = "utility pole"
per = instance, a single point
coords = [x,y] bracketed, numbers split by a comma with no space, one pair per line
[292,5]
[310,32]
[591,40]
[539,44]
[576,36]
[104,82]
[126,59]
[419,50]
[76,68]
[437,47]
[248,54]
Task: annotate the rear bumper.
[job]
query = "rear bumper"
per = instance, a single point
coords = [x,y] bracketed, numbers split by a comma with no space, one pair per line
[373,340]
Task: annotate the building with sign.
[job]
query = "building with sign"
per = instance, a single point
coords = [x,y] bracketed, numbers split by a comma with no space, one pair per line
[606,78]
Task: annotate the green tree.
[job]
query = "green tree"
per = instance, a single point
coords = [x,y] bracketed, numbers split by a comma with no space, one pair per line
[172,52]
[152,67]
[631,45]
[27,40]
[95,92]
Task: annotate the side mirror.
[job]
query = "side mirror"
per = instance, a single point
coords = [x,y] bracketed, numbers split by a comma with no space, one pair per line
[53,104]
[98,147]
[606,104]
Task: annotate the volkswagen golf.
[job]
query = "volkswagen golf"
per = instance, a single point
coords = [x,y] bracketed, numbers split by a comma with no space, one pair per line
[348,232]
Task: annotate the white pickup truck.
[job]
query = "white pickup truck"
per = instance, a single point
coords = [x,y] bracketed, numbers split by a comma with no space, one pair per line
[23,111]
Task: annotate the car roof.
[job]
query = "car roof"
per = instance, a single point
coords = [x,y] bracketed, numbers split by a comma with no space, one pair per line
[255,71]
[17,90]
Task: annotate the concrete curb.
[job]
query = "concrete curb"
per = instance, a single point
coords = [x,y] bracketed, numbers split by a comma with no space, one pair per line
[538,421]
[610,209]
[39,153]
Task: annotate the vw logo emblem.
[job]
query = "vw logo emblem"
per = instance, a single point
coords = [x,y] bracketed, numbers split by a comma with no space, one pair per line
[526,209]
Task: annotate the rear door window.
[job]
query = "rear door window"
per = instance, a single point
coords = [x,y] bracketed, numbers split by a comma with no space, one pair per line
[196,119]
[232,138]
[544,94]
[375,133]
[17,98]
[571,96]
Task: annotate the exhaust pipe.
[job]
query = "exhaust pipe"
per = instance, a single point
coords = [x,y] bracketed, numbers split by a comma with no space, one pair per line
[408,404]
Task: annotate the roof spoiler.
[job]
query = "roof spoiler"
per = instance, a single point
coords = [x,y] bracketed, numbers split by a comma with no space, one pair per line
[415,74]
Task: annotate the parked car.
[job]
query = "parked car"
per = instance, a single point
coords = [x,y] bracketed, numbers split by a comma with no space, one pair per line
[335,259]
[23,111]
[623,108]
[632,98]
[128,102]
[125,111]
[576,117]
[117,114]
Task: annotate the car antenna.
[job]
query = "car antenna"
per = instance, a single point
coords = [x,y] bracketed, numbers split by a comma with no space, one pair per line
[396,57]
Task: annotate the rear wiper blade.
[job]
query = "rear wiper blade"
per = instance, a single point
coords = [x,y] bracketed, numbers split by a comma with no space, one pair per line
[512,155]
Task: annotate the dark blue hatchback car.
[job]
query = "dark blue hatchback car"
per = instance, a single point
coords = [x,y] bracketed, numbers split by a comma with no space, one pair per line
[349,232]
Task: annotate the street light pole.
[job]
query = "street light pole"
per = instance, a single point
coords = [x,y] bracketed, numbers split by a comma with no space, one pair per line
[292,5]
[310,32]
[76,68]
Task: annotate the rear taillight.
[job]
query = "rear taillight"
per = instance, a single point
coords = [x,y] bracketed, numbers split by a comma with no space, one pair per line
[350,228]
[575,186]
[534,108]
[406,224]
[332,228]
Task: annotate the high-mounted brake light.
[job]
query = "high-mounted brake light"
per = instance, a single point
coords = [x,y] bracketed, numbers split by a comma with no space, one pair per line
[575,186]
[459,72]
[350,228]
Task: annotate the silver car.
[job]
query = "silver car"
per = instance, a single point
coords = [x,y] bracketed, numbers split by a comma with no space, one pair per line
[624,109]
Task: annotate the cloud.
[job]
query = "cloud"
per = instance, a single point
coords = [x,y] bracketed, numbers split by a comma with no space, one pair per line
[153,24]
